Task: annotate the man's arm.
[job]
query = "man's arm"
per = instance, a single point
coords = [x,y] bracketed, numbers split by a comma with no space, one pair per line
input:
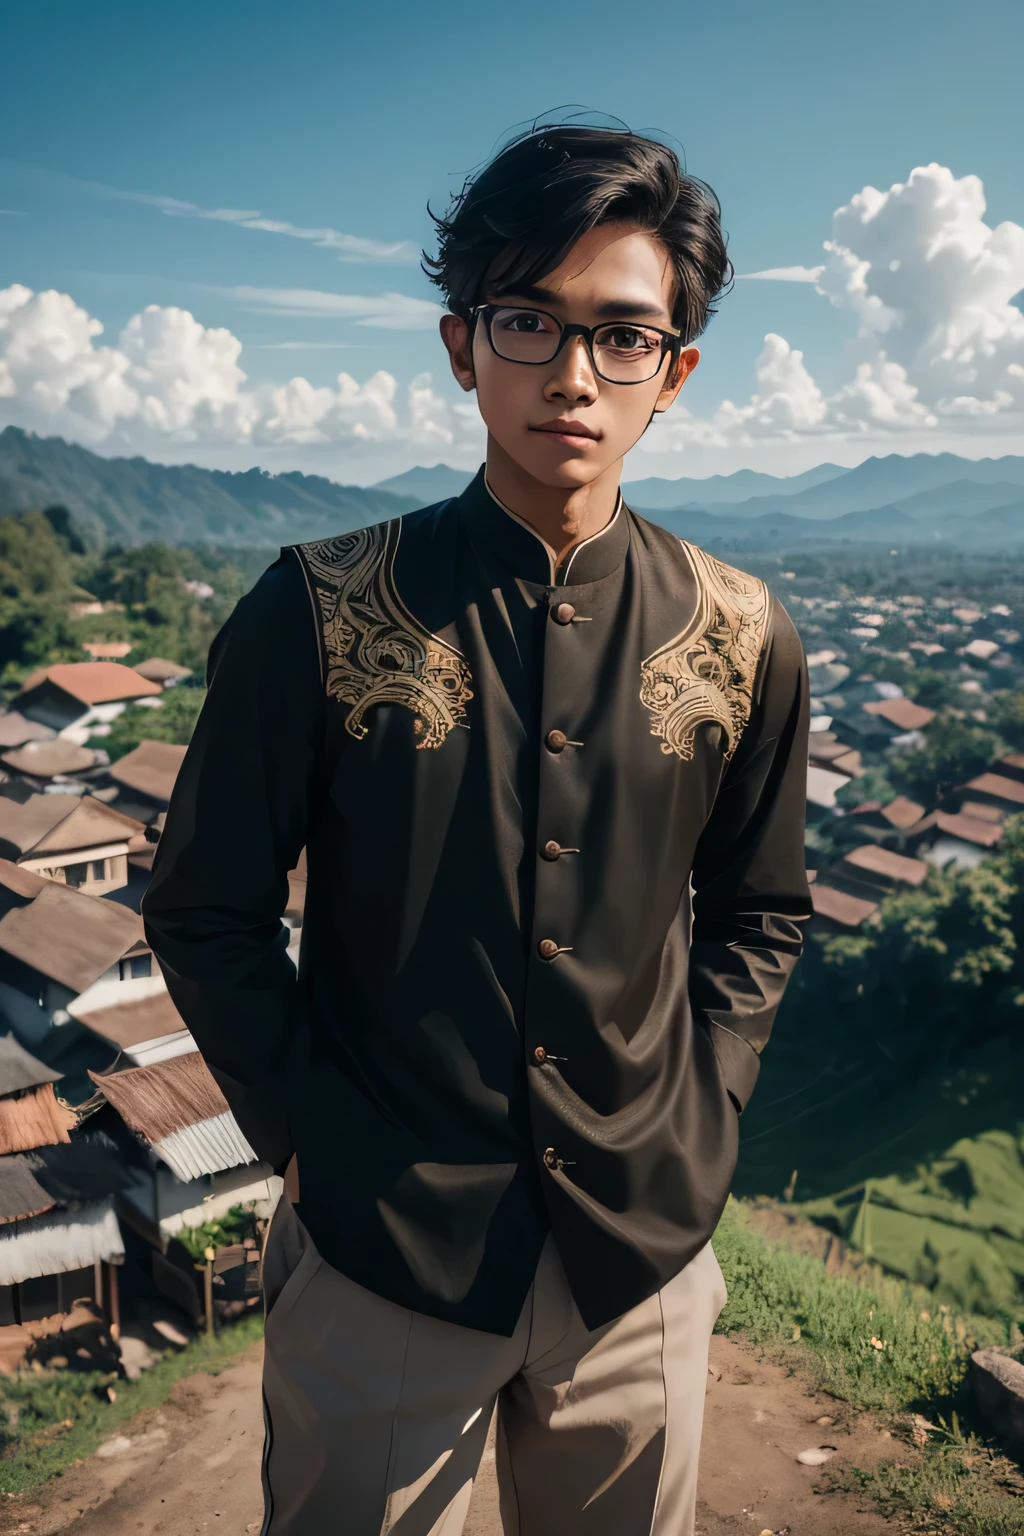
[236,824]
[750,889]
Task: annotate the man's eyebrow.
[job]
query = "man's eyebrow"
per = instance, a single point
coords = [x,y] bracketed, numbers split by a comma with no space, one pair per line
[611,309]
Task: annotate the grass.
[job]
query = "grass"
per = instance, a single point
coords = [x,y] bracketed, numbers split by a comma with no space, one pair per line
[880,1344]
[956,1487]
[876,1342]
[55,1418]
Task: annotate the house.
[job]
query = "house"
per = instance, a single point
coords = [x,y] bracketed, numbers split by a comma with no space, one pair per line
[16,730]
[890,816]
[56,1214]
[822,786]
[941,836]
[871,870]
[880,721]
[79,842]
[838,911]
[39,764]
[997,790]
[56,944]
[167,673]
[60,1240]
[147,1028]
[187,1160]
[1011,766]
[145,778]
[107,650]
[71,696]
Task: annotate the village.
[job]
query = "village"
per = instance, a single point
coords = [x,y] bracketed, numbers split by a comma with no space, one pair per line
[131,1206]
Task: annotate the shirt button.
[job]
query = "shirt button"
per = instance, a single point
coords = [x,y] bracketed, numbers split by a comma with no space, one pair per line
[551,849]
[550,1157]
[555,740]
[564,613]
[547,949]
[540,1055]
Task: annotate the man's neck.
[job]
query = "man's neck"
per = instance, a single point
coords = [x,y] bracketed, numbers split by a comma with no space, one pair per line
[562,518]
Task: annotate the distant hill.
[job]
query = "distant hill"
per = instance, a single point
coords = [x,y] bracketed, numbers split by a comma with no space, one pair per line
[131,500]
[428,485]
[929,497]
[880,482]
[719,489]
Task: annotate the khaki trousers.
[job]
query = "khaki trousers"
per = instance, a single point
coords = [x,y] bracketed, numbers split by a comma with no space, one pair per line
[376,1417]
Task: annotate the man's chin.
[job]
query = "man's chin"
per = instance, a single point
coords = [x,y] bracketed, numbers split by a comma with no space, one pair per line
[572,473]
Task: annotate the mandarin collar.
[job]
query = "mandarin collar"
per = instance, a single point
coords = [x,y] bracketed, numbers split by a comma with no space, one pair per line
[494,529]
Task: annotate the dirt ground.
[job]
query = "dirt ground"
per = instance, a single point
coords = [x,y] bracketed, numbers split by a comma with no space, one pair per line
[193,1465]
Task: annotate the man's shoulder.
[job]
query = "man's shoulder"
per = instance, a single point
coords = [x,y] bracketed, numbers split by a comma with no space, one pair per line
[364,549]
[714,576]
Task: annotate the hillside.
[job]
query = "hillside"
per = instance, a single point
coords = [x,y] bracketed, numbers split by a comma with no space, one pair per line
[130,501]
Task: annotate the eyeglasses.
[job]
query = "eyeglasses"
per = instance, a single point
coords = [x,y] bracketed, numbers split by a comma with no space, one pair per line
[621,351]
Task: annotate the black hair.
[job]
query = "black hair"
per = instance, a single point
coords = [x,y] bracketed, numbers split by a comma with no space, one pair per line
[517,219]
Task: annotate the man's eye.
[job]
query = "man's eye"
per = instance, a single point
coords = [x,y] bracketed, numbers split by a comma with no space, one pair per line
[629,338]
[530,324]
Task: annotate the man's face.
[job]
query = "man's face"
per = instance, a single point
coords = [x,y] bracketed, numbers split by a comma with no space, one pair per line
[616,272]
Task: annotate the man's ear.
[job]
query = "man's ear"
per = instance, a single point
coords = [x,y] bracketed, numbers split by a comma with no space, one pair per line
[455,335]
[686,362]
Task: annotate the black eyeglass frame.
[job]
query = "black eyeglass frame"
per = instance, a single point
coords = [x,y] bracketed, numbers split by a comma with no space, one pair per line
[671,341]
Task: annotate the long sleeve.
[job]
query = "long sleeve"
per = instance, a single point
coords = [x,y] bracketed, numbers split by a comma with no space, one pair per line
[750,890]
[236,824]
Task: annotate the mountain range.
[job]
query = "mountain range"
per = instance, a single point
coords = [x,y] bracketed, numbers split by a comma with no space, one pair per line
[917,498]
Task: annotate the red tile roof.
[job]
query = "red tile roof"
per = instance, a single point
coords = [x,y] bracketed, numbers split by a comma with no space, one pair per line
[151,769]
[94,682]
[903,713]
[882,861]
[901,812]
[45,759]
[999,786]
[851,911]
[970,829]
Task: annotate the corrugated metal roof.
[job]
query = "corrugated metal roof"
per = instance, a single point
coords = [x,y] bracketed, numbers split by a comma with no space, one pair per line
[34,1120]
[19,1069]
[59,1242]
[21,1194]
[209,1146]
[178,1109]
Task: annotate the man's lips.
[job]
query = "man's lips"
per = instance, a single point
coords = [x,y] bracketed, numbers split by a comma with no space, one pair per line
[568,429]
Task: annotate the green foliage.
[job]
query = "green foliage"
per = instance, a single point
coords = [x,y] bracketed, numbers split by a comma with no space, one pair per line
[233,1227]
[1006,712]
[46,569]
[955,750]
[930,688]
[827,1324]
[55,1418]
[957,1487]
[175,722]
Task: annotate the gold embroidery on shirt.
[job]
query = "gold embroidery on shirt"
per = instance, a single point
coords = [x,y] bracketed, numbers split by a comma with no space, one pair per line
[377,652]
[707,671]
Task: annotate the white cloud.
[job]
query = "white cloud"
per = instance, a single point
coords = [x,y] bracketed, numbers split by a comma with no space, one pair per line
[172,380]
[389,311]
[346,247]
[784,275]
[939,339]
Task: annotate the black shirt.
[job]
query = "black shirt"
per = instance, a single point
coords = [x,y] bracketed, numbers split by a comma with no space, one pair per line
[554,825]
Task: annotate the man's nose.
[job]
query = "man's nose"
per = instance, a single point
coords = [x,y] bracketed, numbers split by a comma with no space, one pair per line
[573,376]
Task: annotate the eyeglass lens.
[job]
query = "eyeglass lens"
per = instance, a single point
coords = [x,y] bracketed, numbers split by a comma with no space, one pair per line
[624,353]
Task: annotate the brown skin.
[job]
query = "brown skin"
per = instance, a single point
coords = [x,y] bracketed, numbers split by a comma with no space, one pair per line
[566,485]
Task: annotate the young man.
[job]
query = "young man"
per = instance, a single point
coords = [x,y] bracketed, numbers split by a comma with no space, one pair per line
[548,763]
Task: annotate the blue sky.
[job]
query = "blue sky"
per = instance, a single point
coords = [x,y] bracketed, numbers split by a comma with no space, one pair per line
[126,128]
